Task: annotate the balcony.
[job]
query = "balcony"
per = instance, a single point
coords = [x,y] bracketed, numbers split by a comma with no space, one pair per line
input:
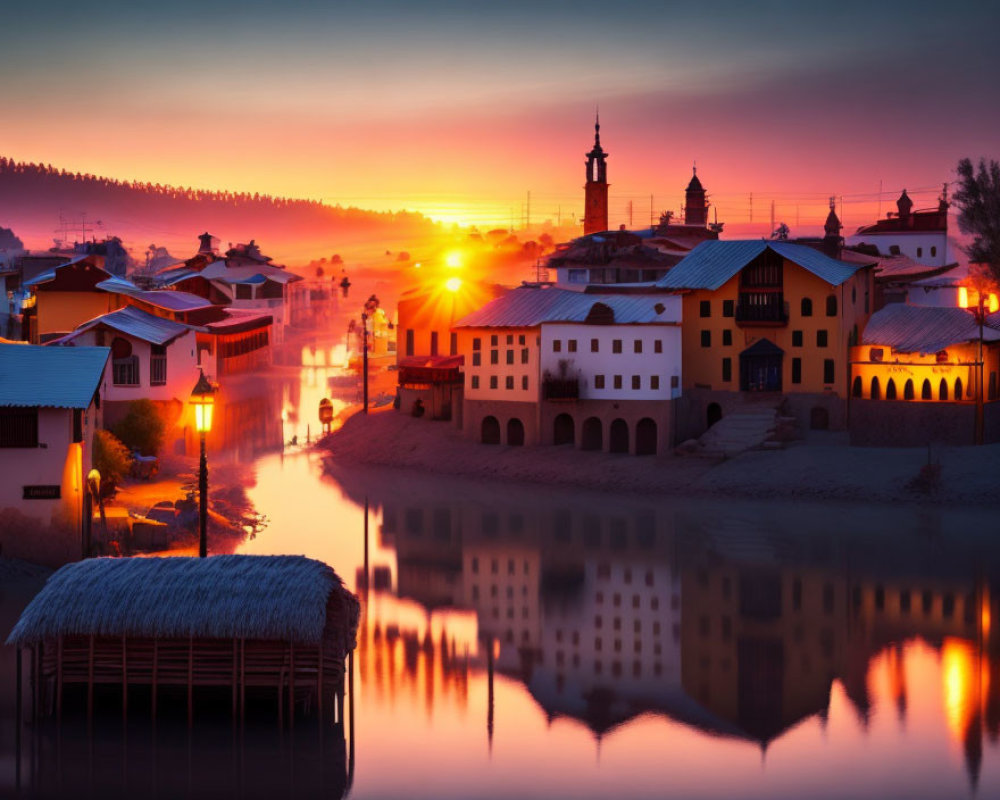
[761,308]
[560,389]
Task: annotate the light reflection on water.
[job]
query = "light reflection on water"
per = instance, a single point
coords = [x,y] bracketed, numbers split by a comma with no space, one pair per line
[525,642]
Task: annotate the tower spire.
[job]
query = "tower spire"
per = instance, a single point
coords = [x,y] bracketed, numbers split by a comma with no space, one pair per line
[596,198]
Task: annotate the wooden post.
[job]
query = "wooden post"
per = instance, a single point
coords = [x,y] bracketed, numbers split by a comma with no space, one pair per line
[156,664]
[190,681]
[291,685]
[59,655]
[18,722]
[243,681]
[90,679]
[124,680]
[319,683]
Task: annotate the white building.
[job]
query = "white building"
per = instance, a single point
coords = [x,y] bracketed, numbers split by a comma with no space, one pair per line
[920,235]
[151,357]
[551,366]
[50,406]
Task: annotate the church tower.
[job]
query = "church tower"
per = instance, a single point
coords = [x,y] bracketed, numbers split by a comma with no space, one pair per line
[595,218]
[695,204]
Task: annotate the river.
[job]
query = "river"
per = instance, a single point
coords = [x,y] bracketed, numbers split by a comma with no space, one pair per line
[520,641]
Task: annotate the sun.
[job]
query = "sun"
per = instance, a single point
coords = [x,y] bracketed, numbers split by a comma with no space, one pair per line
[453,284]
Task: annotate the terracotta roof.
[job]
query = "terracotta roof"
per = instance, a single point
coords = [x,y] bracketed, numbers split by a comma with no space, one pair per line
[926,329]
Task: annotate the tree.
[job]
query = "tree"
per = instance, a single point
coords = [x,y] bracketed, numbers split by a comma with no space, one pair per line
[978,200]
[142,428]
[111,459]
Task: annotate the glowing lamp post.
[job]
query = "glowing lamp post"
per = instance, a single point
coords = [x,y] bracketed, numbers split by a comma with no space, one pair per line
[203,401]
[979,303]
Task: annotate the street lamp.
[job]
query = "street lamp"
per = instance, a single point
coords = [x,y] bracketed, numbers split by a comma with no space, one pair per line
[979,303]
[203,400]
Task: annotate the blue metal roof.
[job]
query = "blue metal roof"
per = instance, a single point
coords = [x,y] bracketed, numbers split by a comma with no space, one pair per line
[713,263]
[529,306]
[926,329]
[50,377]
[135,322]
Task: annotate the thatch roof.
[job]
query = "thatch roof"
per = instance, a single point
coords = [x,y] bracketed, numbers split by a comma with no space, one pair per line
[282,598]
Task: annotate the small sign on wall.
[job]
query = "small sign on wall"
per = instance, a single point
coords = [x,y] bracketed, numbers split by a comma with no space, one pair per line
[42,492]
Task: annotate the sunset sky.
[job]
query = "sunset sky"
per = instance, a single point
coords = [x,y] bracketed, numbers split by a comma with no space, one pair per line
[460,109]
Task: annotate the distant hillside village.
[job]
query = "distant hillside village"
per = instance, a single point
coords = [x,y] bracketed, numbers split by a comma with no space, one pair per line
[670,337]
[80,343]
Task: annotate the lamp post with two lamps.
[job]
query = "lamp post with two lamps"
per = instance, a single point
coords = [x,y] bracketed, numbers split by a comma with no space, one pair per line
[203,401]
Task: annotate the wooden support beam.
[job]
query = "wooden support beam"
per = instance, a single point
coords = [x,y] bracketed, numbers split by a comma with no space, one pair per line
[243,680]
[319,683]
[59,687]
[291,685]
[124,679]
[156,665]
[90,679]
[18,722]
[190,680]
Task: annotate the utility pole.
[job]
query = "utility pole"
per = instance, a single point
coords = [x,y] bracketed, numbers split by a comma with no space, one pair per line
[772,216]
[651,222]
[630,215]
[878,216]
[528,212]
[751,206]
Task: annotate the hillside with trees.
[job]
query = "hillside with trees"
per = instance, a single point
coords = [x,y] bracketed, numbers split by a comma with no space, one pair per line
[35,197]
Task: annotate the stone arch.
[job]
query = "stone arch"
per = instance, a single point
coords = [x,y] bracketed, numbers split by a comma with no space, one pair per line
[819,419]
[563,430]
[714,414]
[958,389]
[856,387]
[515,432]
[925,390]
[908,389]
[875,393]
[618,436]
[645,437]
[592,434]
[943,390]
[490,430]
[890,390]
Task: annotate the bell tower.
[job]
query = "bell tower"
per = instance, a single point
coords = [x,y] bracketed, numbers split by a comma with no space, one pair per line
[695,202]
[595,217]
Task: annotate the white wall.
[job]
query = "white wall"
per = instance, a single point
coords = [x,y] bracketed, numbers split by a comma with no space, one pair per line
[909,244]
[606,362]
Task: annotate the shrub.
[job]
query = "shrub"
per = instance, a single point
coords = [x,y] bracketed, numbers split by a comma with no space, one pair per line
[112,459]
[142,428]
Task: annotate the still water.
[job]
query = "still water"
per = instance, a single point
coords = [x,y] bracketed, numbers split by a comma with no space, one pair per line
[519,641]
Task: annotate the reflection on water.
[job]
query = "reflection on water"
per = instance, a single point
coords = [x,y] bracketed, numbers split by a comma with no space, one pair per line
[525,642]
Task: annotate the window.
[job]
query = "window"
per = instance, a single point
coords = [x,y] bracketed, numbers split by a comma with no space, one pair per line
[727,338]
[125,371]
[524,355]
[727,370]
[618,381]
[157,365]
[598,381]
[595,346]
[829,370]
[728,308]
[637,346]
[920,252]
[477,344]
[556,346]
[494,340]
[821,339]
[658,346]
[475,381]
[807,307]
[494,356]
[453,343]
[705,308]
[654,382]
[434,343]
[831,305]
[796,338]
[520,338]
[510,356]
[524,382]
[571,345]
[636,382]
[509,382]
[77,425]
[510,338]
[493,381]
[796,370]
[706,338]
[933,251]
[18,427]
[616,345]
[477,359]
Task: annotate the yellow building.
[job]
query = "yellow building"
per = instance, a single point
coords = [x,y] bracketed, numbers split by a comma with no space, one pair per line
[916,378]
[770,320]
[67,296]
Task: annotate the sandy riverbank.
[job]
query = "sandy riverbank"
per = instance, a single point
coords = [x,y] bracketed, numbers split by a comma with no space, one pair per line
[823,468]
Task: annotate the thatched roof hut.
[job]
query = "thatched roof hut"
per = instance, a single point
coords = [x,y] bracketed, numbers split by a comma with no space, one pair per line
[271,621]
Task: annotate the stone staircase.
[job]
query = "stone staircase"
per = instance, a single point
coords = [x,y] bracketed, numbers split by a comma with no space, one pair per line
[752,425]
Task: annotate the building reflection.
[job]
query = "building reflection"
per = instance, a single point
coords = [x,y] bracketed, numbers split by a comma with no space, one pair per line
[734,626]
